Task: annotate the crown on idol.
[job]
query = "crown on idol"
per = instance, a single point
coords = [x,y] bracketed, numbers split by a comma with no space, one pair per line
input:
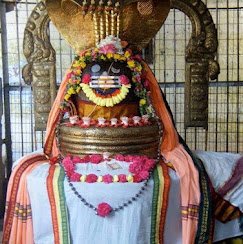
[105,15]
[135,21]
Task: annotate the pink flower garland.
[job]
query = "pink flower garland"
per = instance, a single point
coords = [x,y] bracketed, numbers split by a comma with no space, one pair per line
[140,166]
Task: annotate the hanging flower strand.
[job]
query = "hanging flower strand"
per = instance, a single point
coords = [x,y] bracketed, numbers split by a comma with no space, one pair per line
[139,169]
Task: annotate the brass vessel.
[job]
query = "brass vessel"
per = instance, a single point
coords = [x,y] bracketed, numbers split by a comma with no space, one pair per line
[132,140]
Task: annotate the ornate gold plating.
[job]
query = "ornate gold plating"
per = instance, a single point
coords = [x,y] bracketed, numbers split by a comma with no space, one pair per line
[200,53]
[132,140]
[135,28]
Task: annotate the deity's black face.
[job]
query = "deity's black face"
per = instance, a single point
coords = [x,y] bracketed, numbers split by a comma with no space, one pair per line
[106,76]
[107,69]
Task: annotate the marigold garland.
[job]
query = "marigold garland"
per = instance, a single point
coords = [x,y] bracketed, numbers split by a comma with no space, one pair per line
[110,53]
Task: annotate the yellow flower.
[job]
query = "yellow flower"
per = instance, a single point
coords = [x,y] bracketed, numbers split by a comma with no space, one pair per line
[83,178]
[127,54]
[103,102]
[71,91]
[142,102]
[139,68]
[75,64]
[131,64]
[115,100]
[78,89]
[103,57]
[82,65]
[66,97]
[87,53]
[77,72]
[122,58]
[130,178]
[109,102]
[117,56]
[109,55]
[81,59]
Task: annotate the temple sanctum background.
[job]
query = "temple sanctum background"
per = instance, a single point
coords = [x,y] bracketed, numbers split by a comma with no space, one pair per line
[168,57]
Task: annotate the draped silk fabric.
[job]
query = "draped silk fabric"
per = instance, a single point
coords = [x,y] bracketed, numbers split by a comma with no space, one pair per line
[174,153]
[87,109]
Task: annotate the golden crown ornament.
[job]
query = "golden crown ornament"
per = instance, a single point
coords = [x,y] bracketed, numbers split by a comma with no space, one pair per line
[84,23]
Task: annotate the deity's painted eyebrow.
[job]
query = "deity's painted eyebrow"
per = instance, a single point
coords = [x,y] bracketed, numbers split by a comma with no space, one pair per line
[110,68]
[114,70]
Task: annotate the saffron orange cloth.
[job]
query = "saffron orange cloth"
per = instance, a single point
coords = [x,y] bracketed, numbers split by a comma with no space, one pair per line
[50,145]
[88,109]
[18,226]
[175,153]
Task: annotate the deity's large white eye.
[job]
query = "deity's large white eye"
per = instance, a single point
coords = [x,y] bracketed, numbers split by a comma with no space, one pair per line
[114,70]
[95,68]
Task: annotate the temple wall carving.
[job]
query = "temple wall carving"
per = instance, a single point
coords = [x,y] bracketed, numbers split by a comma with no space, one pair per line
[40,72]
[200,61]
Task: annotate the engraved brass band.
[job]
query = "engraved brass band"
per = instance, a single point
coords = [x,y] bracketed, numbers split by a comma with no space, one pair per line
[132,140]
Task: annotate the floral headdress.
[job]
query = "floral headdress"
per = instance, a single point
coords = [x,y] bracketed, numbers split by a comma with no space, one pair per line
[109,49]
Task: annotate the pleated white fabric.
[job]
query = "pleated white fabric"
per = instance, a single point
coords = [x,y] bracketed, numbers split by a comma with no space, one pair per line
[129,226]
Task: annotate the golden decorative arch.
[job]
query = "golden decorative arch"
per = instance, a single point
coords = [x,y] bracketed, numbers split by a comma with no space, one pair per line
[134,21]
[200,62]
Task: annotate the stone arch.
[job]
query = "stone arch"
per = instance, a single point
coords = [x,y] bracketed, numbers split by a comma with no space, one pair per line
[40,71]
[200,61]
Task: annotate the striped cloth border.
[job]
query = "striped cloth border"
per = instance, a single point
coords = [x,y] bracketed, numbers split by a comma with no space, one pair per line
[190,212]
[205,215]
[55,189]
[10,212]
[224,210]
[159,203]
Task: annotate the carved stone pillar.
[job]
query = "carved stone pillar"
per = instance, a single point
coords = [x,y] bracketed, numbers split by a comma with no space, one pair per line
[40,71]
[200,63]
[196,94]
[44,92]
